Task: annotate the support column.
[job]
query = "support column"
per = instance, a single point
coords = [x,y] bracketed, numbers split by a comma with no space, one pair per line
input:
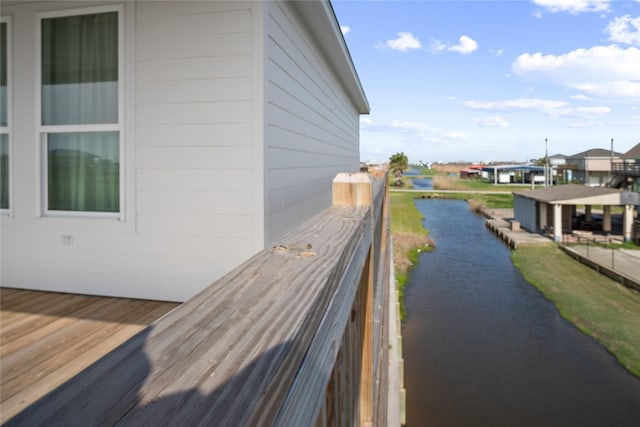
[606,219]
[587,213]
[542,213]
[557,223]
[627,222]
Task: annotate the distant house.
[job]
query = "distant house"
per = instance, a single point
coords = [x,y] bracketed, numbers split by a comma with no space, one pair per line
[472,171]
[553,210]
[626,170]
[513,174]
[591,167]
[151,147]
[556,163]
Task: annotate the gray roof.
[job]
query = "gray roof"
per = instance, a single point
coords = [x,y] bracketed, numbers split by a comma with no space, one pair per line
[595,152]
[634,153]
[566,192]
[513,168]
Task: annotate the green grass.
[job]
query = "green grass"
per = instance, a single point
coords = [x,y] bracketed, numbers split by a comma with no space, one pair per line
[409,237]
[428,172]
[405,217]
[491,201]
[455,183]
[597,305]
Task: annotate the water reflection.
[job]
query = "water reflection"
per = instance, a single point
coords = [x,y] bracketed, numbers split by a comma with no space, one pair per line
[422,184]
[483,347]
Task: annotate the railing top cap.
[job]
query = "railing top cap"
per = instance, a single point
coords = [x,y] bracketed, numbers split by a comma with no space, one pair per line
[359,177]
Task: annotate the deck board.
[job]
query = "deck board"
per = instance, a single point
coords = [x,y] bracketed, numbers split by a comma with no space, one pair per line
[46,338]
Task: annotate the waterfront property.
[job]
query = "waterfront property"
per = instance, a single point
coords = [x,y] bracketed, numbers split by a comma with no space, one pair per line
[626,170]
[299,335]
[591,167]
[496,350]
[513,174]
[151,147]
[553,210]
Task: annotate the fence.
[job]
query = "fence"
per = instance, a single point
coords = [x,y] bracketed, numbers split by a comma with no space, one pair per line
[605,258]
[297,335]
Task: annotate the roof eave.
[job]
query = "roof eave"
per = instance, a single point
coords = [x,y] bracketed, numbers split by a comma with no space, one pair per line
[319,16]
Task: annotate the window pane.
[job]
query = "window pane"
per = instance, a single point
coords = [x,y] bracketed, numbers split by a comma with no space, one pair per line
[80,69]
[3,74]
[84,171]
[4,171]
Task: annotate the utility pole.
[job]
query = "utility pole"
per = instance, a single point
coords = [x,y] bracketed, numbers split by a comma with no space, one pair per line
[546,164]
[611,171]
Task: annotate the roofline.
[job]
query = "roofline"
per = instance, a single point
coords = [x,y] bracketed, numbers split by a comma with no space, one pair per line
[319,16]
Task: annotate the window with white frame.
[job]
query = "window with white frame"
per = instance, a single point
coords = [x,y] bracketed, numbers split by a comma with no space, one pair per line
[5,134]
[80,103]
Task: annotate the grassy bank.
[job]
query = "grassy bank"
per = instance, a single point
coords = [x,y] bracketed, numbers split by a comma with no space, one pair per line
[409,239]
[492,201]
[598,306]
[455,183]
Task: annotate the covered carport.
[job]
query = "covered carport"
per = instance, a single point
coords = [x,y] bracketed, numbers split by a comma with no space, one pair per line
[553,209]
[505,174]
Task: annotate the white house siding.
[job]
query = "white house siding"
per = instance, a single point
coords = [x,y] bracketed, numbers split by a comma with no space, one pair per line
[311,126]
[189,160]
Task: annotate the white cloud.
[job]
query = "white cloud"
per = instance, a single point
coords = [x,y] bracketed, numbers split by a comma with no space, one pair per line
[404,42]
[519,104]
[625,29]
[537,13]
[491,121]
[586,124]
[365,121]
[574,6]
[345,29]
[466,45]
[580,97]
[601,71]
[425,132]
[549,107]
[438,46]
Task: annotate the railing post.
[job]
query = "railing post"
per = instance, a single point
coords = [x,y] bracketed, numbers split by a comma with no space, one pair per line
[352,189]
[356,189]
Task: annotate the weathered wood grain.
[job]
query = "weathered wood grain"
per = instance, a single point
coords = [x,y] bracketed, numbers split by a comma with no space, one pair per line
[279,340]
[59,339]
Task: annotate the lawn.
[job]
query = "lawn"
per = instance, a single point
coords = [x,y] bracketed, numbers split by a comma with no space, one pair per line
[494,201]
[409,239]
[597,305]
[455,183]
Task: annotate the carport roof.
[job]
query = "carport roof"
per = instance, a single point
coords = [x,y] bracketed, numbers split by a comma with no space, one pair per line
[571,194]
[513,167]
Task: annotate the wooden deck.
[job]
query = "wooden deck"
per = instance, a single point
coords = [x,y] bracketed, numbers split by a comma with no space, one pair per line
[47,338]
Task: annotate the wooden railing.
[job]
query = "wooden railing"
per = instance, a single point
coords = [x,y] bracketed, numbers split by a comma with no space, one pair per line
[295,336]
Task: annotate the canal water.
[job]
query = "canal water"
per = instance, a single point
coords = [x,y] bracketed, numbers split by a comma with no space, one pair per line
[482,347]
[422,184]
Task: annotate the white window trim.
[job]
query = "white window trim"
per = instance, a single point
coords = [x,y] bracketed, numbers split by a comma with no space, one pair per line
[7,129]
[43,130]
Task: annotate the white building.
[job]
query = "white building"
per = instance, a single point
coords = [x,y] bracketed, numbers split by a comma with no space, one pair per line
[153,146]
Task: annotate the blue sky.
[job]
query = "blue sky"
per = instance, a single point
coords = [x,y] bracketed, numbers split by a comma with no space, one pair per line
[490,80]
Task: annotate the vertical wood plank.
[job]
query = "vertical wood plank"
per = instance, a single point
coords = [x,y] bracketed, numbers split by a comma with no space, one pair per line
[352,189]
[367,347]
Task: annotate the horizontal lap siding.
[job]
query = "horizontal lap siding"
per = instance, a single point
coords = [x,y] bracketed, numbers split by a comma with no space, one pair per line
[188,171]
[312,128]
[193,134]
